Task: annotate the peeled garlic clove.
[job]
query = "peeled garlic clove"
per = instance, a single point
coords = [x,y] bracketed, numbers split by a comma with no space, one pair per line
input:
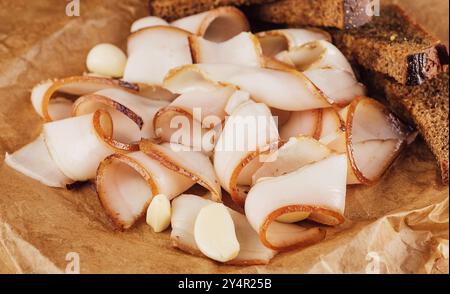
[215,234]
[106,60]
[159,213]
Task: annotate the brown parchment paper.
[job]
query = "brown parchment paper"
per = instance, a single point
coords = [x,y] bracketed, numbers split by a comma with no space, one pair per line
[399,225]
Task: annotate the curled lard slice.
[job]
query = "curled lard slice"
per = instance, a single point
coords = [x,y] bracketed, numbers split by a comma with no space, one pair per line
[293,155]
[339,86]
[47,102]
[318,59]
[60,108]
[243,49]
[154,51]
[132,115]
[374,139]
[314,55]
[146,22]
[184,213]
[249,134]
[302,123]
[193,118]
[127,183]
[277,41]
[332,130]
[366,130]
[77,145]
[156,92]
[181,159]
[316,191]
[324,125]
[217,25]
[327,68]
[285,90]
[35,162]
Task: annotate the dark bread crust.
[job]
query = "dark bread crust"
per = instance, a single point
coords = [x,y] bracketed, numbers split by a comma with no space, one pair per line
[426,65]
[425,107]
[342,14]
[355,13]
[394,45]
[175,9]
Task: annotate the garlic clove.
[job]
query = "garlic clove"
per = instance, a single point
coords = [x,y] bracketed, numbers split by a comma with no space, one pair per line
[215,234]
[159,213]
[106,60]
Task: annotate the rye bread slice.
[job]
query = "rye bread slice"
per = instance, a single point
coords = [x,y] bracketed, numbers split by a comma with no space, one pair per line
[426,107]
[340,14]
[393,44]
[174,9]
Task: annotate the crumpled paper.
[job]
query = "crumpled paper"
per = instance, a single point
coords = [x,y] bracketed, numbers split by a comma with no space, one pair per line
[399,225]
